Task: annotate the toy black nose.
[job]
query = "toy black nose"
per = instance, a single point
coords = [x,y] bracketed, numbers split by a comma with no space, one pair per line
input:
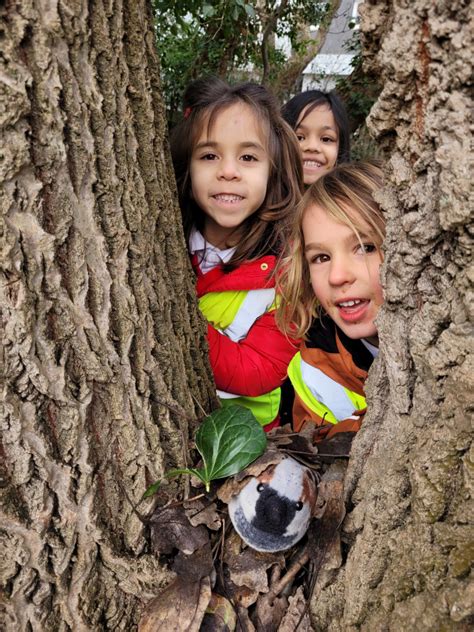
[273,513]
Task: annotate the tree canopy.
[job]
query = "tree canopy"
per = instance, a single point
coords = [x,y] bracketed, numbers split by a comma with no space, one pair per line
[236,39]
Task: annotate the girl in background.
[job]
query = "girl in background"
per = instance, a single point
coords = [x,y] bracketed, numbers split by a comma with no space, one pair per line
[322,127]
[239,177]
[331,295]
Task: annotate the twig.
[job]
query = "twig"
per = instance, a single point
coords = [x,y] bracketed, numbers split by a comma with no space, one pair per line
[175,407]
[199,405]
[289,576]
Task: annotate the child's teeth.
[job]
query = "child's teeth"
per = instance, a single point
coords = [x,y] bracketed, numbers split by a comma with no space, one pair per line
[349,303]
[228,198]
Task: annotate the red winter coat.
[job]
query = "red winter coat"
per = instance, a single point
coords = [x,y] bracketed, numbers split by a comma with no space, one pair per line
[258,363]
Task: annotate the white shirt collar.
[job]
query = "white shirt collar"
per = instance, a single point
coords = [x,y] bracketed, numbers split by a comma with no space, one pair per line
[209,256]
[372,348]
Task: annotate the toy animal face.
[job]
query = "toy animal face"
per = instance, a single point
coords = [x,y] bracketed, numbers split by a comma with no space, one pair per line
[272,512]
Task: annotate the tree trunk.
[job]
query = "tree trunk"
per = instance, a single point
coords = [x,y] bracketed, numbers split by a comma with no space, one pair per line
[409,485]
[103,346]
[284,85]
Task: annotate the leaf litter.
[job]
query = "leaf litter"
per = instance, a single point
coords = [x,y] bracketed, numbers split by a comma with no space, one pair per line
[222,584]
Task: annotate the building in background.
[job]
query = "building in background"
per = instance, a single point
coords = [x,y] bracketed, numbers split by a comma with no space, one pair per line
[334,59]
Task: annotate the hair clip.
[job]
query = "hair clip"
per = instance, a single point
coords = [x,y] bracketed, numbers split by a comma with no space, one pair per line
[187,112]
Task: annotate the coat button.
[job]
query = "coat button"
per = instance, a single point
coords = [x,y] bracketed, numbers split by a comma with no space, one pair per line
[264,266]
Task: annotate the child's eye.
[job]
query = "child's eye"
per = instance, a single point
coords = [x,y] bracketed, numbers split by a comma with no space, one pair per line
[367,249]
[328,139]
[248,158]
[300,137]
[319,258]
[208,157]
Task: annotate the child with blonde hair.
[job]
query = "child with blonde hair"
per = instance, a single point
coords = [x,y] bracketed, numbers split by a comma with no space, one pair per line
[331,294]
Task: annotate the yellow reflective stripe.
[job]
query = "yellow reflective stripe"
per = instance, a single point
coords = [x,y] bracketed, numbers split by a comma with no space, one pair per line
[265,407]
[358,400]
[327,391]
[255,304]
[294,373]
[220,308]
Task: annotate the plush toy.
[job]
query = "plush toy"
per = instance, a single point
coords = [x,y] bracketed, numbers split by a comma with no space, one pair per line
[272,511]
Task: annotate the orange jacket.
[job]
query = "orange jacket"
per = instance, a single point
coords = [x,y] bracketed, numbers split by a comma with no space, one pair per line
[341,359]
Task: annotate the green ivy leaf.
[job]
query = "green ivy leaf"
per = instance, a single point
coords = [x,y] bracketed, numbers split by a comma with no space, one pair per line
[228,440]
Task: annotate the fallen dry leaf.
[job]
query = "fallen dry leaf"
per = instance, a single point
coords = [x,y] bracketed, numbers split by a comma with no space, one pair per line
[292,617]
[250,569]
[339,445]
[241,595]
[268,615]
[324,533]
[220,615]
[297,442]
[199,512]
[195,566]
[179,608]
[246,573]
[171,529]
[243,620]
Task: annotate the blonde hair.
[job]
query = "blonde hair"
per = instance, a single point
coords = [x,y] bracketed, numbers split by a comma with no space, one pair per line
[346,194]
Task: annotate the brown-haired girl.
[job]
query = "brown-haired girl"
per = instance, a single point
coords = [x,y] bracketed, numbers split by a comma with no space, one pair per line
[322,128]
[239,177]
[331,295]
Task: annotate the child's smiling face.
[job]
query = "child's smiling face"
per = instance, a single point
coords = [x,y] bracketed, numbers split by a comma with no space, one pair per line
[318,136]
[229,171]
[344,274]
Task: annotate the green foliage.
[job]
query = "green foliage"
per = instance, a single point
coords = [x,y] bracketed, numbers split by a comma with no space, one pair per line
[359,90]
[224,38]
[228,440]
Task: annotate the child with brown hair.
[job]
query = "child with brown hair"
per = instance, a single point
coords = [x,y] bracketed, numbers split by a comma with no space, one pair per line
[331,294]
[322,128]
[239,177]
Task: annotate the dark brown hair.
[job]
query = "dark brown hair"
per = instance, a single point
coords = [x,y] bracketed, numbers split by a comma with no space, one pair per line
[203,100]
[292,110]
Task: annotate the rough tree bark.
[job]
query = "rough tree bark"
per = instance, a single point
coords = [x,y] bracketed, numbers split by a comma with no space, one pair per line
[102,342]
[408,532]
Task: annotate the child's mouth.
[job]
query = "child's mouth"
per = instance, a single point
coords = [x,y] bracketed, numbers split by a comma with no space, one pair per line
[227,198]
[312,164]
[353,309]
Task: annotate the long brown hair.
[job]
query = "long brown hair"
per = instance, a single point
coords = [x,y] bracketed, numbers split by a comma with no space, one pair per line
[347,195]
[203,100]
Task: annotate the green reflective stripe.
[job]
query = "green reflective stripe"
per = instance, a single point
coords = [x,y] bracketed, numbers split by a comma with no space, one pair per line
[294,373]
[264,407]
[220,308]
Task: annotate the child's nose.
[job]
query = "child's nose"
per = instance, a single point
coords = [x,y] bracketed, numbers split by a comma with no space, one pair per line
[311,143]
[228,170]
[341,271]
